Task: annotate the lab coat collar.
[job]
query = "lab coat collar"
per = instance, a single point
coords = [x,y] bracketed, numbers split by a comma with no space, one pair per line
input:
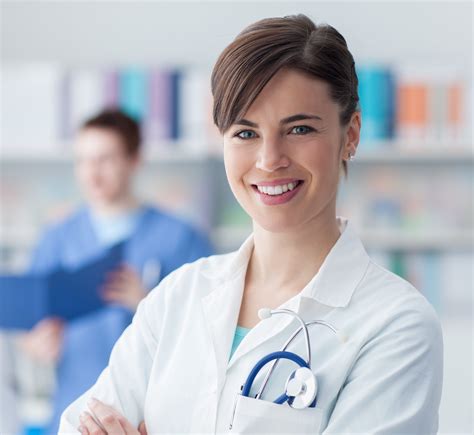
[332,286]
[337,278]
[342,270]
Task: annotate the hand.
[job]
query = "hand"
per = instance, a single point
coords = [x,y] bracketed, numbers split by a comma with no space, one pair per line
[45,341]
[106,420]
[124,287]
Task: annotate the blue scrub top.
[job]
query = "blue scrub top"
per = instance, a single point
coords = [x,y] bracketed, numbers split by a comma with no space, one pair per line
[157,238]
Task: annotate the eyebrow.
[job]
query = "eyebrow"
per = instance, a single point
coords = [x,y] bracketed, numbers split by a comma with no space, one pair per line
[292,118]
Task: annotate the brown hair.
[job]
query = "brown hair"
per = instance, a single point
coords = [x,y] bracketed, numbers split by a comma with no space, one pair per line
[122,124]
[249,62]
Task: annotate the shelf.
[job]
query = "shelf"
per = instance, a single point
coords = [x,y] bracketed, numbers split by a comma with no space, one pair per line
[392,155]
[176,152]
[163,154]
[232,237]
[391,240]
[404,241]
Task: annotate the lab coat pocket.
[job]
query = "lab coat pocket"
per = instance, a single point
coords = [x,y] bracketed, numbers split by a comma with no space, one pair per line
[260,416]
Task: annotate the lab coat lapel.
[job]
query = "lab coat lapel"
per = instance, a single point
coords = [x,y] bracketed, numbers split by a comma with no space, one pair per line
[221,312]
[221,307]
[265,330]
[331,287]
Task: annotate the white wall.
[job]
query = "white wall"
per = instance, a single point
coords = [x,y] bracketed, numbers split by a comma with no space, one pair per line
[195,32]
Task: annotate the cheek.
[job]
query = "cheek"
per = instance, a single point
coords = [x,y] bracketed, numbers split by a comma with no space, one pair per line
[86,174]
[321,157]
[237,163]
[112,173]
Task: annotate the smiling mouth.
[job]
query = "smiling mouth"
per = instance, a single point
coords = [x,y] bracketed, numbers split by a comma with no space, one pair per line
[277,190]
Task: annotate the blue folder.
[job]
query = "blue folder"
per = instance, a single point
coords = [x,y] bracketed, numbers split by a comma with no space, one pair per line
[64,293]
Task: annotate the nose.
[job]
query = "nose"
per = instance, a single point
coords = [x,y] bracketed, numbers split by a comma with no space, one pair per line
[272,156]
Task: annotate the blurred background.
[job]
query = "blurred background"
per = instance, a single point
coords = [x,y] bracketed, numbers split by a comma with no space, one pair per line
[409,191]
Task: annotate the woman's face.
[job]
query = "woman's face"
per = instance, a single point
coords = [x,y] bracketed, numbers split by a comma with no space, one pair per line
[283,158]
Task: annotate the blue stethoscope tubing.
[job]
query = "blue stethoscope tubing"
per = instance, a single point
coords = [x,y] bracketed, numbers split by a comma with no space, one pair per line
[265,360]
[284,354]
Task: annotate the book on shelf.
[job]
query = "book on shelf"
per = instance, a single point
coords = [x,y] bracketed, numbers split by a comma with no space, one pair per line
[133,92]
[30,107]
[86,92]
[44,104]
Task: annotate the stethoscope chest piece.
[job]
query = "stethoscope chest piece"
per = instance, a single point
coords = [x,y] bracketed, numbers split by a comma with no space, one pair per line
[302,388]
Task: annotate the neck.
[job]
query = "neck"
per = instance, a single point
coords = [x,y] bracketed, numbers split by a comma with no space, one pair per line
[119,206]
[285,262]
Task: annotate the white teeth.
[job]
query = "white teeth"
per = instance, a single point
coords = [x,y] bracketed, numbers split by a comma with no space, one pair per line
[277,190]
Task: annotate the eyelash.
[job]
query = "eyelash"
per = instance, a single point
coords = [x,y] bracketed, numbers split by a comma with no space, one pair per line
[307,127]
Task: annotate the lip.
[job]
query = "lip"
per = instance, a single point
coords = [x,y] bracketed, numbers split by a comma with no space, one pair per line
[278,182]
[278,199]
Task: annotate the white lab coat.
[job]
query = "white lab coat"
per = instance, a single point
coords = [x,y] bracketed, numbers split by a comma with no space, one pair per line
[171,366]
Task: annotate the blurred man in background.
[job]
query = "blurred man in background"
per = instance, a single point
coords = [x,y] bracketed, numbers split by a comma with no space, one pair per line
[156,243]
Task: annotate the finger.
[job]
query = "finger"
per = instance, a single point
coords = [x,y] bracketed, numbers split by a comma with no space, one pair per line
[126,268]
[90,424]
[50,323]
[142,428]
[83,430]
[114,296]
[106,416]
[52,334]
[113,289]
[122,280]
[127,426]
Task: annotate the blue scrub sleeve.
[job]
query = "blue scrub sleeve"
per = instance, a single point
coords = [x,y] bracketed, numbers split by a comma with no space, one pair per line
[46,254]
[197,246]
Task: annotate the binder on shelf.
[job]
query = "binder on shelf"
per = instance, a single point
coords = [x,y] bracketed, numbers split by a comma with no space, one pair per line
[133,92]
[111,88]
[175,83]
[87,96]
[156,126]
[31,107]
[376,93]
[195,111]
[64,293]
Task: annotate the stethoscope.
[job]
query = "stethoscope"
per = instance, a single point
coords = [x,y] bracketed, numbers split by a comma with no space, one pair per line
[301,386]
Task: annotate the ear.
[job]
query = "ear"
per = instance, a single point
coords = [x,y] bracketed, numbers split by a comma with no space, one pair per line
[352,135]
[136,161]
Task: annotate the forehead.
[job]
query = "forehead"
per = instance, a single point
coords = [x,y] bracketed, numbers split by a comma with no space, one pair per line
[93,140]
[292,91]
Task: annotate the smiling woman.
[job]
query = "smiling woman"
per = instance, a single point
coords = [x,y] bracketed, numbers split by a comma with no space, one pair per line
[288,151]
[285,101]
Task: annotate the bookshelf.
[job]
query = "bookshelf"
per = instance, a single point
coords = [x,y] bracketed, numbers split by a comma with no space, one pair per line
[229,236]
[383,152]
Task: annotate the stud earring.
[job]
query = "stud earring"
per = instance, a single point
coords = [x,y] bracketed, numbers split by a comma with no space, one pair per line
[350,157]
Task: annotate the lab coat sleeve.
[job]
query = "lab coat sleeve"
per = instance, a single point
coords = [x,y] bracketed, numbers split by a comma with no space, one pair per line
[124,381]
[395,384]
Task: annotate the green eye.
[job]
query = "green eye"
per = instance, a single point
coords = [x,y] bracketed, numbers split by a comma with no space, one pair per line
[301,129]
[245,134]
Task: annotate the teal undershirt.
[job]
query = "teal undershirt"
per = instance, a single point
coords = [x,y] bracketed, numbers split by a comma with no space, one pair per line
[239,335]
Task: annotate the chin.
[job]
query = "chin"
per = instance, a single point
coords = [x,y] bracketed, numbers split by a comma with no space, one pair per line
[276,224]
[100,197]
